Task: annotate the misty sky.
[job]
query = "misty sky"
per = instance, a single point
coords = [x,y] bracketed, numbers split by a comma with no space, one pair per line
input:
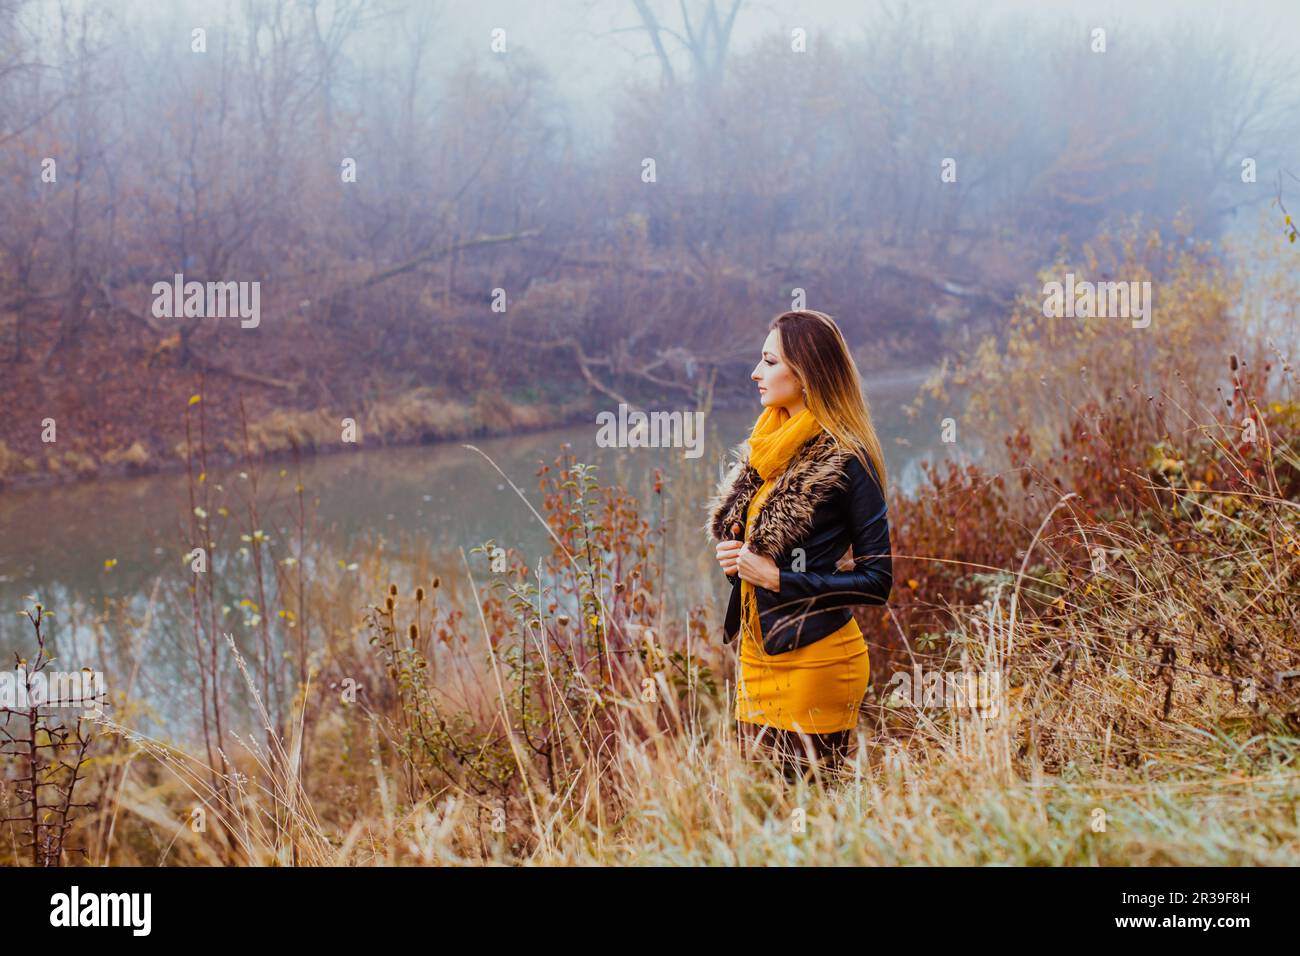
[591,47]
[588,48]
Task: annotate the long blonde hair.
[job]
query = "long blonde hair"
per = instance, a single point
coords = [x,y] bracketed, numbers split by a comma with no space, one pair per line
[815,350]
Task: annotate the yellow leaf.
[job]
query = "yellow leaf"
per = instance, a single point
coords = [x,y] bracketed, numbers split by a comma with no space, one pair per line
[194,399]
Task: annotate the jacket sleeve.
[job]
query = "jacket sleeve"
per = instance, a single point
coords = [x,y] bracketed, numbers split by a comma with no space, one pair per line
[872,577]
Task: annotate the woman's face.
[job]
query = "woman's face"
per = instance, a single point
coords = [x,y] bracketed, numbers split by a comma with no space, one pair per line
[777,385]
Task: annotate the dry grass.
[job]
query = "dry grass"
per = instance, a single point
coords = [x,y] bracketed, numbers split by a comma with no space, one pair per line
[11,463]
[1136,591]
[1125,738]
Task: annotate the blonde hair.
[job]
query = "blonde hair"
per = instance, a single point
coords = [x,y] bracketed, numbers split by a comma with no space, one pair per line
[814,348]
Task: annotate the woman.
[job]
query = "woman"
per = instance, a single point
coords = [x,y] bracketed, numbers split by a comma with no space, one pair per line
[809,483]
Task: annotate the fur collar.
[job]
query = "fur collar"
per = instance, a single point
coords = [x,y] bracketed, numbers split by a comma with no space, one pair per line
[814,473]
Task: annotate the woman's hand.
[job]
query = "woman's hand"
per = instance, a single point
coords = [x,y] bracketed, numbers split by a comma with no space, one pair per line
[727,552]
[758,569]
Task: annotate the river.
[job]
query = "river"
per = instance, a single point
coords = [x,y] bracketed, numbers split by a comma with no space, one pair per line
[90,550]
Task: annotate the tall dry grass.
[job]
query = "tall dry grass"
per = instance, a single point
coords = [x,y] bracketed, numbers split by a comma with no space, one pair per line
[1131,576]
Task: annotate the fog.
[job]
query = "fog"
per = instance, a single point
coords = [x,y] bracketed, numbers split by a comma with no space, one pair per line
[576,197]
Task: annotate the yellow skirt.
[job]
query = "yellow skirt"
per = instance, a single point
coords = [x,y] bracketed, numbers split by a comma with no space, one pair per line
[815,689]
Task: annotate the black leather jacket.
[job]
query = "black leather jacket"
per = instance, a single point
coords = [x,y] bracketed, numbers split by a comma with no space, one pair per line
[825,501]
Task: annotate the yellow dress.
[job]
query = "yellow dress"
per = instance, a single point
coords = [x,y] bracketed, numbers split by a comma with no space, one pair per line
[814,689]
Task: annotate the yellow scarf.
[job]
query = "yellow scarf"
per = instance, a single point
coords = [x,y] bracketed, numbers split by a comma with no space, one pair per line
[776,436]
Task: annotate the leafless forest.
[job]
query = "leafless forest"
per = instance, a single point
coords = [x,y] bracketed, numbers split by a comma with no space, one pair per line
[387,185]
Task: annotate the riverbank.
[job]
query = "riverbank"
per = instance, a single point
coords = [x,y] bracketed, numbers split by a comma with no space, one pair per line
[415,418]
[283,434]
